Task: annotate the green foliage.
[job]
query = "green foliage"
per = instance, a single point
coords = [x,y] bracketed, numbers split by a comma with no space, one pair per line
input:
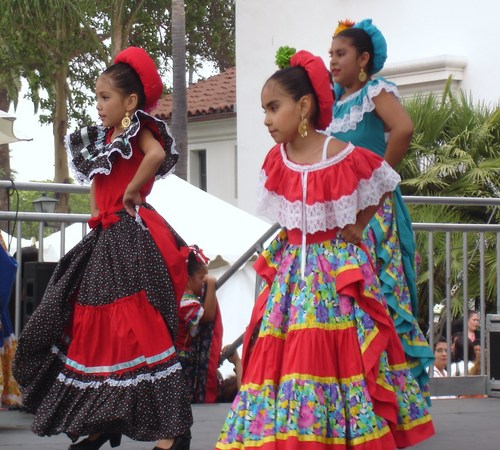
[23,201]
[455,152]
[40,36]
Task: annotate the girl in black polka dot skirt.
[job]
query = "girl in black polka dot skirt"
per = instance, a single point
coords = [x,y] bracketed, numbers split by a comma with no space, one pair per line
[97,357]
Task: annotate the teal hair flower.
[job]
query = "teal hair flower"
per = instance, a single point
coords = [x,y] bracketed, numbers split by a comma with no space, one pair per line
[283,56]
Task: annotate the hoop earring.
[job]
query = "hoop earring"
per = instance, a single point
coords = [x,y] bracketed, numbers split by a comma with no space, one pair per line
[303,127]
[362,75]
[126,121]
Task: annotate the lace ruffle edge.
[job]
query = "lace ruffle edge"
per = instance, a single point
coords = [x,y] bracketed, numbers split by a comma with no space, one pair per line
[350,120]
[89,155]
[94,384]
[330,214]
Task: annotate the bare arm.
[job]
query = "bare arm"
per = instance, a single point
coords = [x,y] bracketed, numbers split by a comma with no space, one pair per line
[235,359]
[94,212]
[153,157]
[210,304]
[353,233]
[398,123]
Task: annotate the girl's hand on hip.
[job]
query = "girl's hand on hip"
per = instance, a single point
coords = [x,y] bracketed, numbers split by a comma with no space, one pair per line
[131,198]
[352,233]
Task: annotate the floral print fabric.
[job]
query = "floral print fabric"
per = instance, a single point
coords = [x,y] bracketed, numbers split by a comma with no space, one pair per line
[327,369]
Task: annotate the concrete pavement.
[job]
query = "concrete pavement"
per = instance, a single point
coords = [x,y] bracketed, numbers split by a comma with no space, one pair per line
[461,424]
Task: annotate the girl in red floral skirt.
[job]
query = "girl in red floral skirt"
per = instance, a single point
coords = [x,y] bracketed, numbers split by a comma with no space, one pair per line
[327,370]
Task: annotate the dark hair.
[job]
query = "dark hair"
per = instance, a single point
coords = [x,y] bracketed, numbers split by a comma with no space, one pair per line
[458,350]
[440,340]
[228,389]
[362,42]
[127,81]
[194,264]
[295,81]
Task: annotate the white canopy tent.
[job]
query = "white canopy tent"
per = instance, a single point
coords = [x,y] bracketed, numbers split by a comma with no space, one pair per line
[221,230]
[7,135]
[11,242]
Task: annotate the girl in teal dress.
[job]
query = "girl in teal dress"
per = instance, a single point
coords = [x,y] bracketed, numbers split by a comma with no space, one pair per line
[368,113]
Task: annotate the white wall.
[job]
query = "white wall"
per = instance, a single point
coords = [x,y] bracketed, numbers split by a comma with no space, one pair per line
[218,139]
[413,30]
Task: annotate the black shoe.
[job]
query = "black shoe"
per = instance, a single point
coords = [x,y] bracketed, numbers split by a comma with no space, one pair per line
[182,442]
[114,439]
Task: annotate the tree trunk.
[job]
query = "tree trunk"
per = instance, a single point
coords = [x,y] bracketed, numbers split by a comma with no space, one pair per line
[116,28]
[60,129]
[179,95]
[5,172]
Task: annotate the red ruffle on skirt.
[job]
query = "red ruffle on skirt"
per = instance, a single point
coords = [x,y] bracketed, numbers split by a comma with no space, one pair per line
[119,337]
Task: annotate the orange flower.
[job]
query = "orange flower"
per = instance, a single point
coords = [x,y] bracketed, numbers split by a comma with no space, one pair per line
[343,25]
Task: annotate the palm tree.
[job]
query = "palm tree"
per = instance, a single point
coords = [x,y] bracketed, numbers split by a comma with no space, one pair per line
[455,151]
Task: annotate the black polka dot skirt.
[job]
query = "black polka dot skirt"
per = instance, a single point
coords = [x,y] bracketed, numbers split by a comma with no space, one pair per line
[97,355]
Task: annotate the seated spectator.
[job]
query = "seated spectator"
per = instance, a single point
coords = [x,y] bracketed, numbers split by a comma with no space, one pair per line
[457,355]
[441,358]
[477,350]
[440,362]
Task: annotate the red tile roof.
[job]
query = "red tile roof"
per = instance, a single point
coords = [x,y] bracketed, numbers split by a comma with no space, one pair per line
[211,97]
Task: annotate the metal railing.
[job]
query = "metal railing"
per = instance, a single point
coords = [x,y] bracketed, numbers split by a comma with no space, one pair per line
[470,385]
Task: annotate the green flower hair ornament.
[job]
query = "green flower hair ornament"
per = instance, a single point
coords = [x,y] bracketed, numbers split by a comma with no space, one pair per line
[283,56]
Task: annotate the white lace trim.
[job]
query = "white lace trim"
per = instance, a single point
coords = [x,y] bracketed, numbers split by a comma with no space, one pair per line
[115,367]
[145,377]
[324,163]
[350,120]
[326,215]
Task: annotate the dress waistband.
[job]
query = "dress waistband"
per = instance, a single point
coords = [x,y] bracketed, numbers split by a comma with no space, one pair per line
[105,218]
[295,236]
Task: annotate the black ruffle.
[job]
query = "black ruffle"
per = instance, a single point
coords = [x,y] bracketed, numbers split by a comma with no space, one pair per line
[89,154]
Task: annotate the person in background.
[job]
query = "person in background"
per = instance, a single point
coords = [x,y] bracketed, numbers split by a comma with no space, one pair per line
[367,112]
[441,358]
[473,326]
[327,368]
[10,396]
[97,357]
[440,363]
[229,386]
[458,355]
[477,350]
[199,338]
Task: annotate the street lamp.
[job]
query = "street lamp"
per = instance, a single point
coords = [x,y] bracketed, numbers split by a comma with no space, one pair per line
[43,204]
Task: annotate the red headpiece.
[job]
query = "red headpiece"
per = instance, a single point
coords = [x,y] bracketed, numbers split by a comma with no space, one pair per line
[198,253]
[320,80]
[145,67]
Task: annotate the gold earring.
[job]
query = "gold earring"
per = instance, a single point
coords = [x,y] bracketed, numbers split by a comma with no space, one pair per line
[126,121]
[362,75]
[303,127]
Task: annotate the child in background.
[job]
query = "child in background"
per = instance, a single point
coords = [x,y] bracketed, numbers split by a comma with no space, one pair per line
[327,369]
[97,357]
[199,338]
[367,112]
